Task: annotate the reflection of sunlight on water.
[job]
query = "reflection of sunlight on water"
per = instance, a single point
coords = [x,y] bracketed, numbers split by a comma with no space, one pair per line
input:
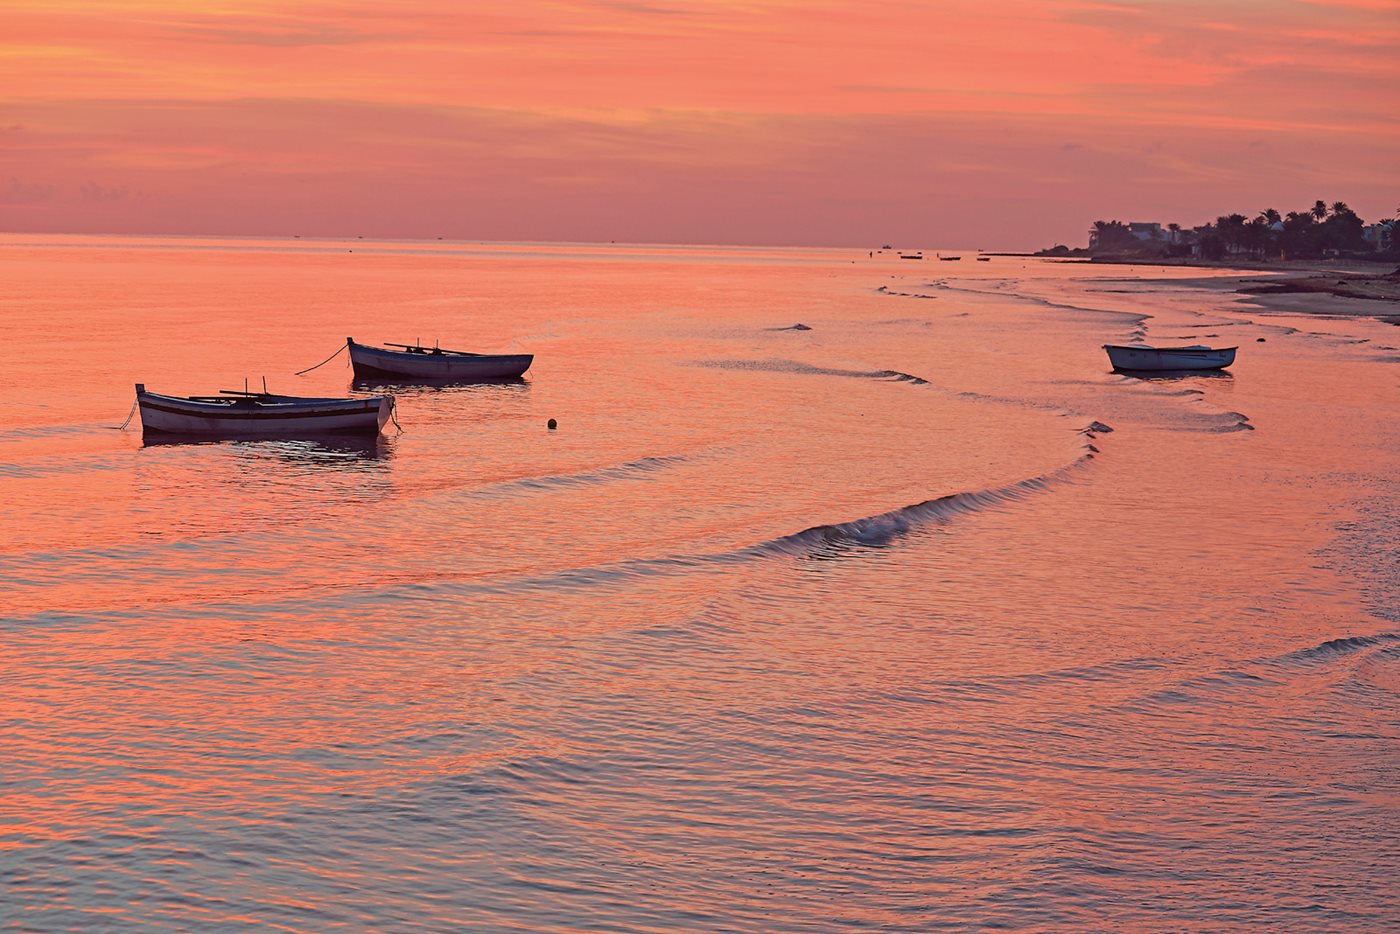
[201,487]
[720,652]
[1177,375]
[423,386]
[329,450]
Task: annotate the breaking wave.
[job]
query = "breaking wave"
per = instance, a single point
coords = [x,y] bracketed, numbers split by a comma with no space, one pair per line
[827,541]
[1334,648]
[888,526]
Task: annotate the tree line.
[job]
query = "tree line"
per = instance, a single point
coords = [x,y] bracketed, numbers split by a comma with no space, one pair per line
[1322,230]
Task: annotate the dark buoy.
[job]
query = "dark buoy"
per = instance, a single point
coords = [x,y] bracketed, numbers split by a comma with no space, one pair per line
[551,424]
[1259,339]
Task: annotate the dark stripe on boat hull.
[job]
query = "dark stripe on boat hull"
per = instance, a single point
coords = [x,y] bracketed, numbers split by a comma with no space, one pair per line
[260,415]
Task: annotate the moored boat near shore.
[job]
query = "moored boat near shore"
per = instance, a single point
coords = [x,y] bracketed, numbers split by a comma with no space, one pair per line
[1194,357]
[414,361]
[238,414]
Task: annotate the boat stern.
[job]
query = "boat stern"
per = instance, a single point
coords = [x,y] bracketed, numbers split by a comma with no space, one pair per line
[386,411]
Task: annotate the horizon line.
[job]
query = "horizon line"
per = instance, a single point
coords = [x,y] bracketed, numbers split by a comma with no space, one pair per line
[358,238]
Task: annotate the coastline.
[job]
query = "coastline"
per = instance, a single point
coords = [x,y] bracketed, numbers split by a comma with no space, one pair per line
[1323,305]
[1317,287]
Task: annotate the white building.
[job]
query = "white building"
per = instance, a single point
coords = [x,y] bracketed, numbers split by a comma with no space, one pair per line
[1380,235]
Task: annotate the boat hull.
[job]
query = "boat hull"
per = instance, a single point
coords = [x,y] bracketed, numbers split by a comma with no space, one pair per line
[1169,358]
[275,416]
[447,366]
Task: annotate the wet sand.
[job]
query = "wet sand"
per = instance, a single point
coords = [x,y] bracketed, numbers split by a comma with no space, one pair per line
[1366,286]
[1365,290]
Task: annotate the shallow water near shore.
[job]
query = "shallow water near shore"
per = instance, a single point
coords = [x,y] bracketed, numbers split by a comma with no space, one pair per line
[917,619]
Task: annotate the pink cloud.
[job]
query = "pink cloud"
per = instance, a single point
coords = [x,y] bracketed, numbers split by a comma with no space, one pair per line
[781,122]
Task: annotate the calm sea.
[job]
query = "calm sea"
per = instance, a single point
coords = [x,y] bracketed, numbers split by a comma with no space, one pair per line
[915,618]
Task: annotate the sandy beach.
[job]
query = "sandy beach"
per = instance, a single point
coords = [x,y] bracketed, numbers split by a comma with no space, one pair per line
[1345,282]
[1350,290]
[1345,288]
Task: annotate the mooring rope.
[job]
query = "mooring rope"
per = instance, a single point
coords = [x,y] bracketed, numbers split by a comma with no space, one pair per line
[323,362]
[129,416]
[394,413]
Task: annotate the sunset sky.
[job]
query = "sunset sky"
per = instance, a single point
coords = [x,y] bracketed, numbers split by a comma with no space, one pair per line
[994,123]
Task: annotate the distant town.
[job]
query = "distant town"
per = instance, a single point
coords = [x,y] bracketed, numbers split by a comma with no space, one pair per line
[1319,232]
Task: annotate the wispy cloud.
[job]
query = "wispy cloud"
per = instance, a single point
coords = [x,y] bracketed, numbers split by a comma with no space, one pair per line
[661,112]
[275,32]
[21,192]
[92,192]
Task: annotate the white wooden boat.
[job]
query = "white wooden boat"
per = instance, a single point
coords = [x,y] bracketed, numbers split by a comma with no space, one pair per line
[1195,357]
[415,361]
[234,414]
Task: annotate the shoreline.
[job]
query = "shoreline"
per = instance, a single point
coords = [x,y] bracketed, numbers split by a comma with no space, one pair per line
[1320,287]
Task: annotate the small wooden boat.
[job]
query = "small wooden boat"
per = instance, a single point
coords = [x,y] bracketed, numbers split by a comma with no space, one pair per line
[950,259]
[235,414]
[984,259]
[1195,357]
[911,256]
[415,361]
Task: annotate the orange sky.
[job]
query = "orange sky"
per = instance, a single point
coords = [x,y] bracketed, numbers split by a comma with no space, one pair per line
[995,123]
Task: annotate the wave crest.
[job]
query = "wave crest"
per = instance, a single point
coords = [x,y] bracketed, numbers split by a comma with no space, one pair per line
[883,528]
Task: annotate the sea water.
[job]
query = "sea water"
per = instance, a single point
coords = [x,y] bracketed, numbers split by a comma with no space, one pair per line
[913,618]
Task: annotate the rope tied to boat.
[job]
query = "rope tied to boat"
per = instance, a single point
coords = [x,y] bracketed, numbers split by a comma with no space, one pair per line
[129,416]
[323,362]
[394,413]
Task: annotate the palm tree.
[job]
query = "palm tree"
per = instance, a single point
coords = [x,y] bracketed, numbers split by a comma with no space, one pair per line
[1319,210]
[1231,230]
[1256,235]
[1111,235]
[1302,234]
[1269,222]
[1343,229]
